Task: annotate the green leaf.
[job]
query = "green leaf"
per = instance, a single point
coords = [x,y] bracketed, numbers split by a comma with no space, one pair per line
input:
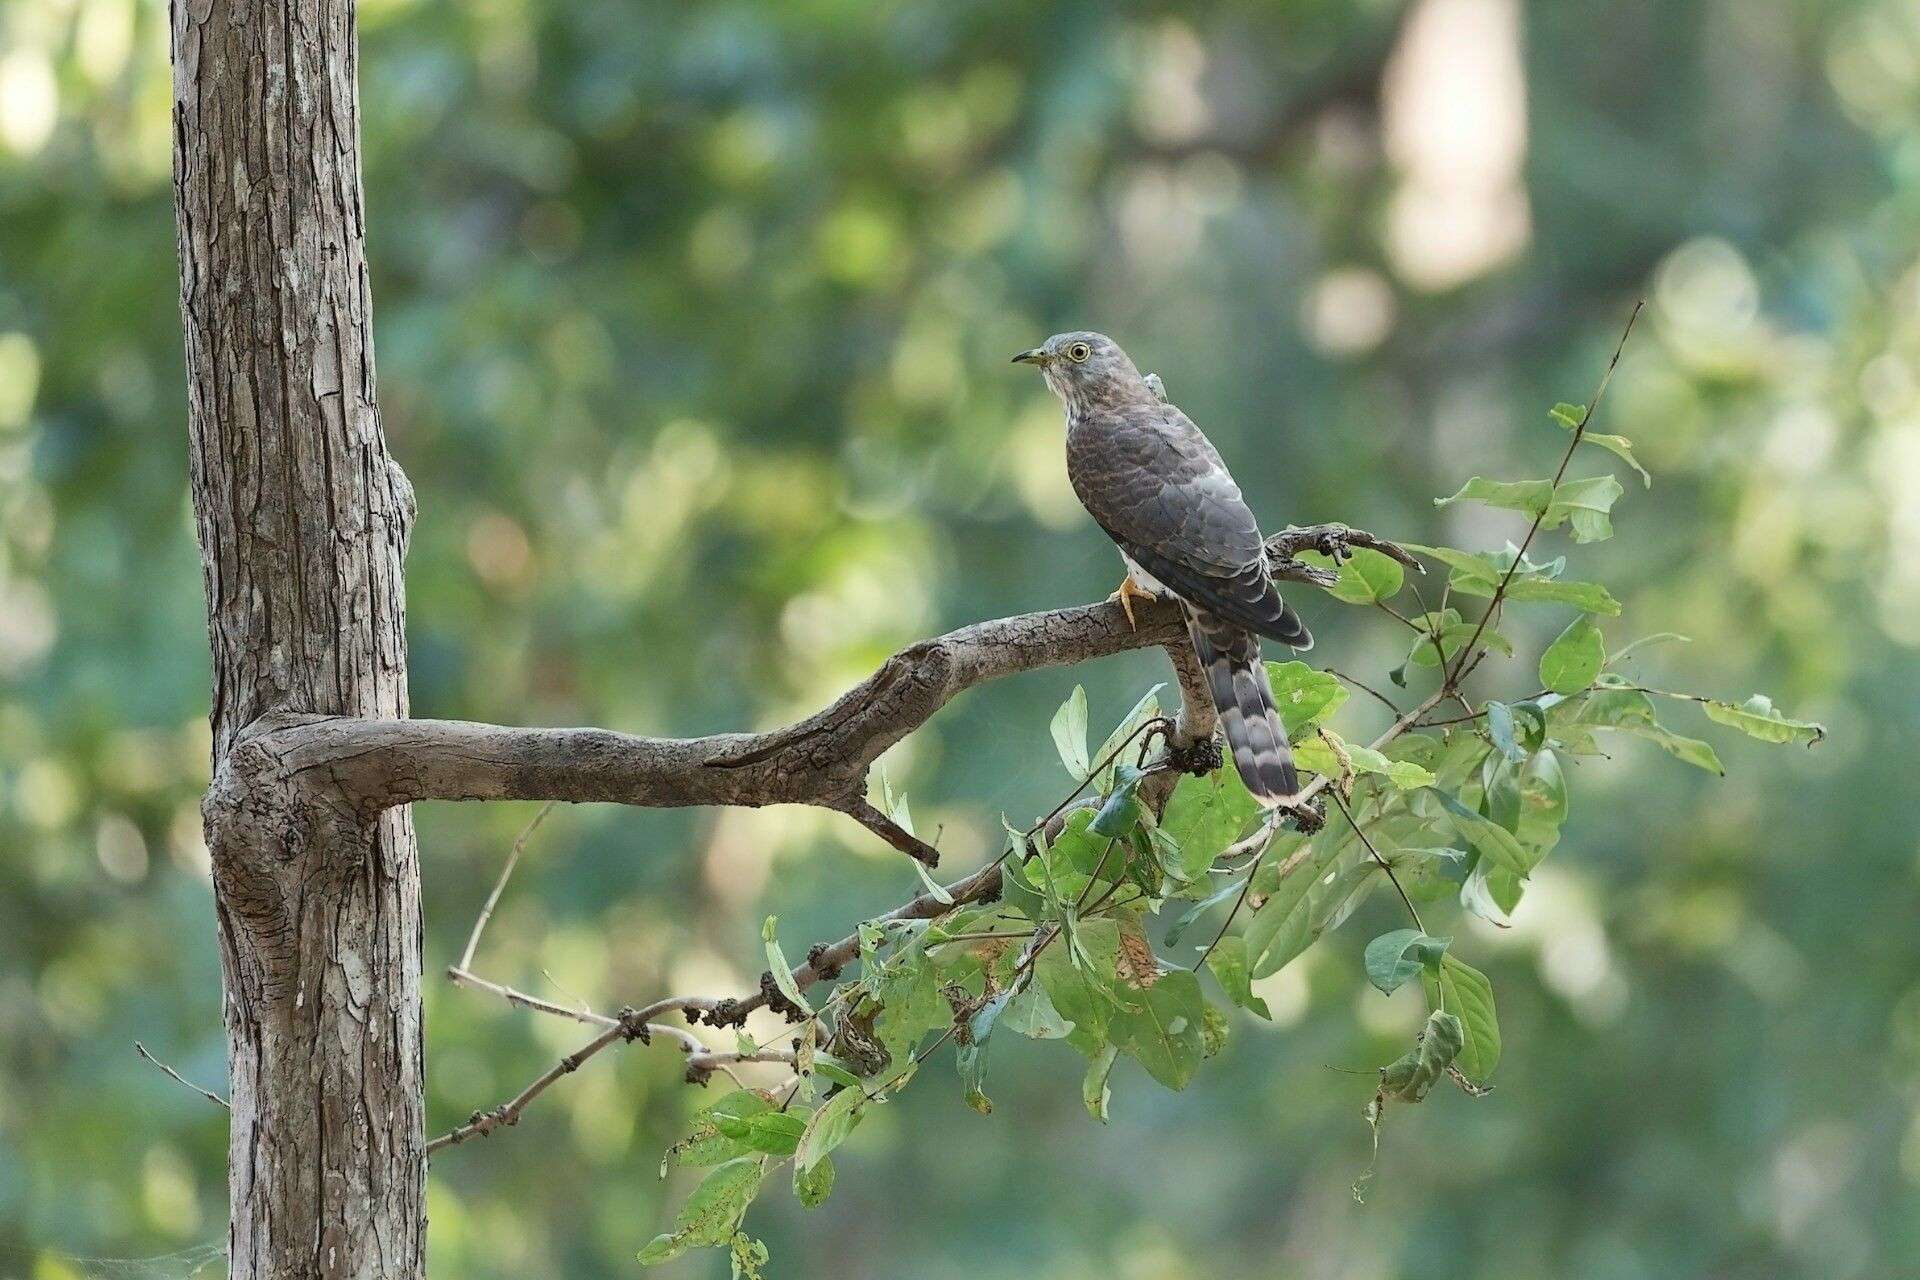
[1079,978]
[1573,660]
[777,962]
[775,1133]
[1366,576]
[910,1005]
[1693,751]
[1571,416]
[894,806]
[1069,730]
[1529,496]
[935,890]
[1658,637]
[1308,902]
[1479,575]
[1589,597]
[1589,504]
[1120,813]
[1757,717]
[1393,958]
[1464,991]
[1621,448]
[1455,638]
[1144,710]
[706,1144]
[1166,1035]
[1228,962]
[1305,696]
[1322,754]
[1205,815]
[1491,840]
[813,1185]
[1586,502]
[1429,873]
[828,1127]
[1178,929]
[712,1213]
[1094,1090]
[972,1062]
[1501,729]
[1031,1014]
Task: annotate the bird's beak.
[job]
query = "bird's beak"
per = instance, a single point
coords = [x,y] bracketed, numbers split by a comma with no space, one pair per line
[1035,356]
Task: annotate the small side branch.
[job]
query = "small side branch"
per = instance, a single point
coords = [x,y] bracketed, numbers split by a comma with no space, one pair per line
[863,812]
[208,1094]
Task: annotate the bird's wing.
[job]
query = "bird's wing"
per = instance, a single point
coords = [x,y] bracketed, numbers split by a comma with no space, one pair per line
[1158,487]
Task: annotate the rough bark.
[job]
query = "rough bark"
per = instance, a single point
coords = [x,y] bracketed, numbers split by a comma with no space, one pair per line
[302,520]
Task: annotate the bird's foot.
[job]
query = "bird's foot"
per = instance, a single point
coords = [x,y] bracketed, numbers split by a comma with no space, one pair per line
[1126,594]
[1334,544]
[1307,817]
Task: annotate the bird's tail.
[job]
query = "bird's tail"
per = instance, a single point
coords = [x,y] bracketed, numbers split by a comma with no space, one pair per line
[1238,680]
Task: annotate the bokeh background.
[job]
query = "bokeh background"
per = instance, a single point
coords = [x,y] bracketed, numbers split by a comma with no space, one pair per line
[693,324]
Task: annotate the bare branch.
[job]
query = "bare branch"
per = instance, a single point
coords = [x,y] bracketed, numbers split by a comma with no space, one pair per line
[208,1094]
[376,764]
[493,899]
[864,813]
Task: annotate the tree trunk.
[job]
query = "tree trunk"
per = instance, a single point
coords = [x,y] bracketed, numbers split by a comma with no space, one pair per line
[303,524]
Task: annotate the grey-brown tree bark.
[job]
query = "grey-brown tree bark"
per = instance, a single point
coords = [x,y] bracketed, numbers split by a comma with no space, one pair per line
[302,521]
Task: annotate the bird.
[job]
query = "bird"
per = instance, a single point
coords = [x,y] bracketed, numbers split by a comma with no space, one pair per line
[1155,484]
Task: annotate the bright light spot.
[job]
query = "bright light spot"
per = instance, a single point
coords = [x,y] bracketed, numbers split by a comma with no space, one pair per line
[121,849]
[1455,106]
[103,37]
[499,552]
[1287,992]
[1801,439]
[1706,287]
[926,365]
[1348,312]
[1560,919]
[29,101]
[167,1190]
[46,794]
[1035,456]
[1887,385]
[28,625]
[1894,465]
[19,379]
[1169,106]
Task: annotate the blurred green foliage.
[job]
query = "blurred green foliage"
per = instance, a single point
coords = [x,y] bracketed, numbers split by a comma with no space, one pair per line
[693,323]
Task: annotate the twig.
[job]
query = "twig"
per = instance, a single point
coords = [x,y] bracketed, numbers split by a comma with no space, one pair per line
[1382,698]
[1384,864]
[862,811]
[632,1024]
[208,1094]
[1312,789]
[493,899]
[1579,432]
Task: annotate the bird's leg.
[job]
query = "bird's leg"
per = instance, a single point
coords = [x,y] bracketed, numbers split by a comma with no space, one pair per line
[1128,592]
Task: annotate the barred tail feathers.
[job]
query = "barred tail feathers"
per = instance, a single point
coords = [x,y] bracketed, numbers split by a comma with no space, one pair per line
[1237,678]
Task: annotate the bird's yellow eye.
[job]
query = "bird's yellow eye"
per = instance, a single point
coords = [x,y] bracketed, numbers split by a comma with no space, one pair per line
[1079,352]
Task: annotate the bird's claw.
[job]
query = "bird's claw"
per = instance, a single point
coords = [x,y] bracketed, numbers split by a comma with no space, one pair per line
[1126,594]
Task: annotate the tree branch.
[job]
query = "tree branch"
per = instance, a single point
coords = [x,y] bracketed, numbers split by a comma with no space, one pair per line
[370,765]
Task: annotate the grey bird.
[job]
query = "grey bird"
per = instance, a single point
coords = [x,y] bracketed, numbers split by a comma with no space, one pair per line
[1158,488]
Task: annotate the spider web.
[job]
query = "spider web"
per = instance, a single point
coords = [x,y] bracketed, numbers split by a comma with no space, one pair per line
[197,1262]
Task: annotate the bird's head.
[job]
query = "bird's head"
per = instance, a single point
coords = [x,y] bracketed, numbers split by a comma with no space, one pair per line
[1087,370]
